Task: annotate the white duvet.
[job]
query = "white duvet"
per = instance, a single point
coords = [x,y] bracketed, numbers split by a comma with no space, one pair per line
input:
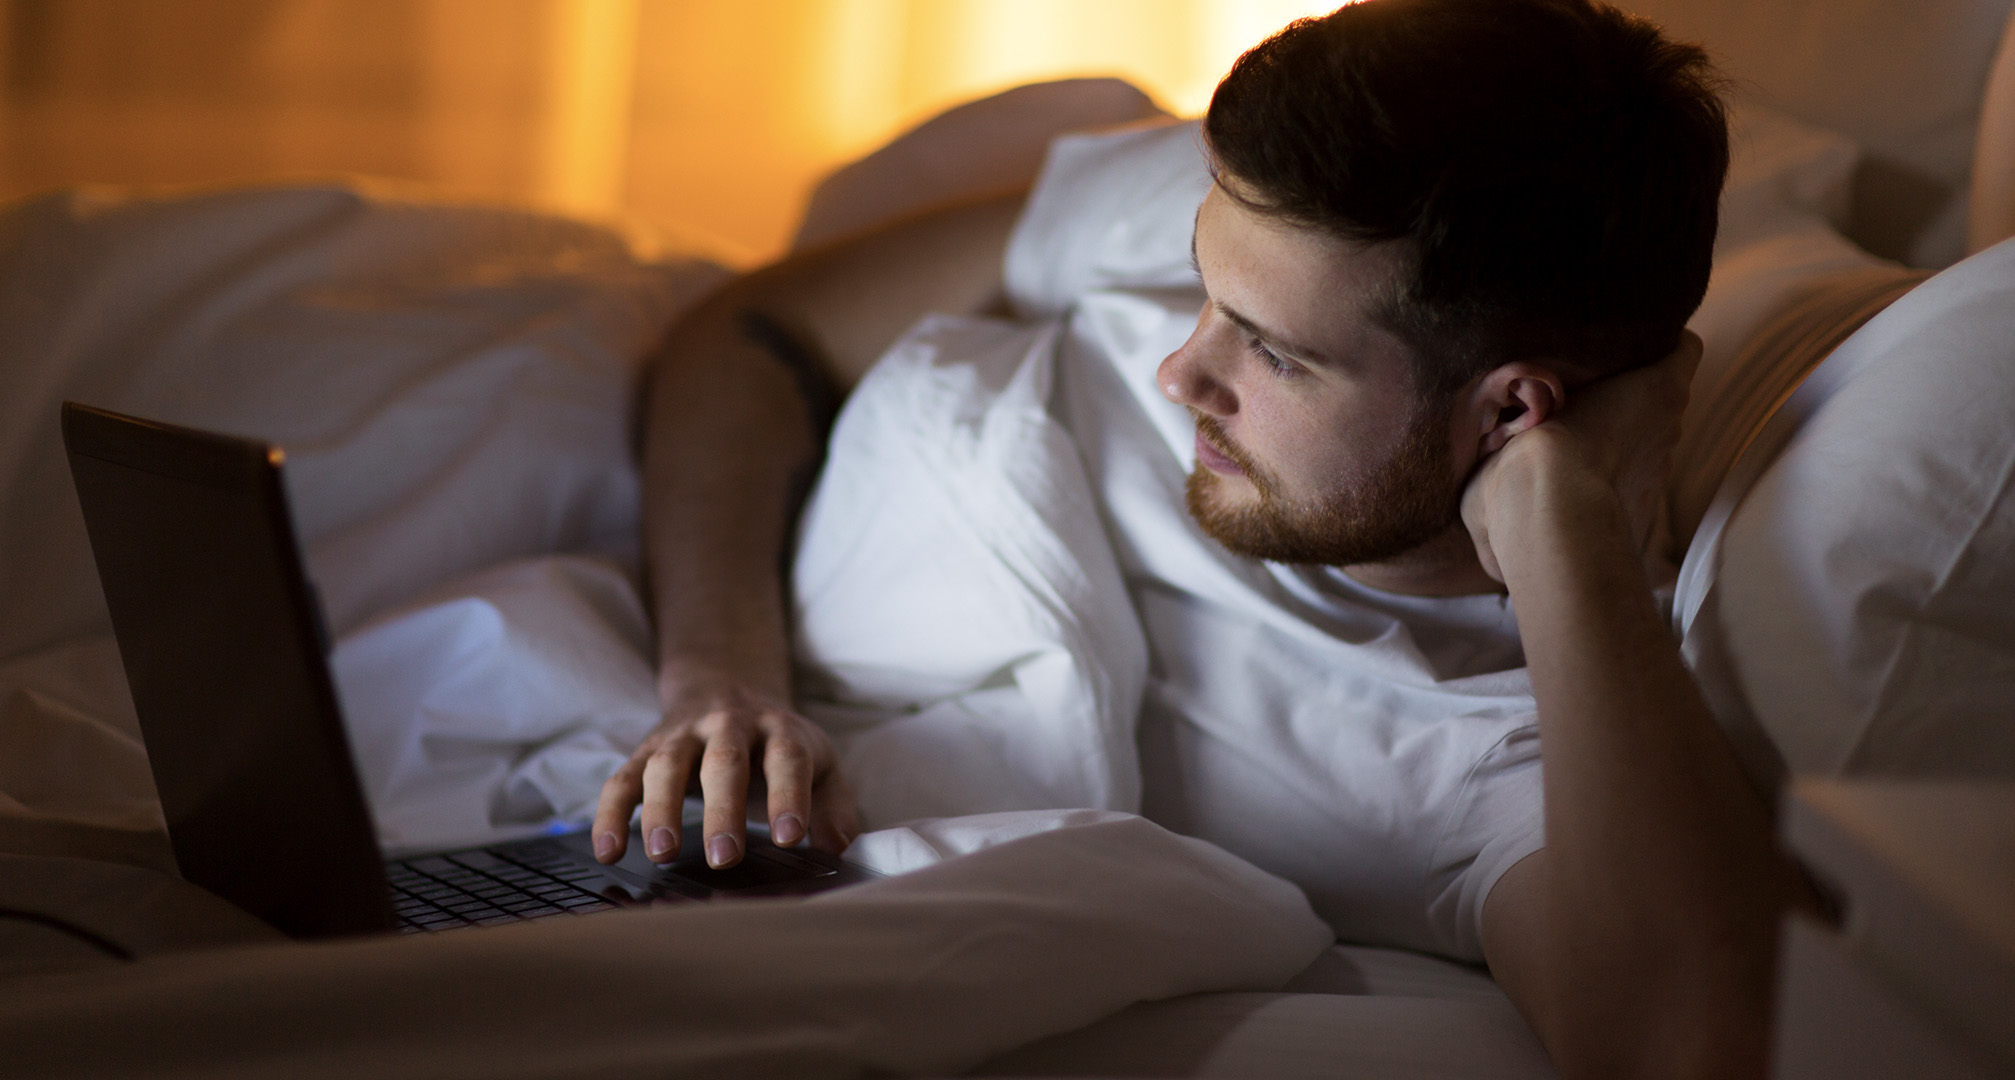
[1045,925]
[453,389]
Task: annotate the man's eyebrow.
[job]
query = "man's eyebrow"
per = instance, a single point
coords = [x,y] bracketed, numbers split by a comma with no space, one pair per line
[1238,319]
[1282,345]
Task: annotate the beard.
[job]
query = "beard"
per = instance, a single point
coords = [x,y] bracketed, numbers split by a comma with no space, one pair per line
[1410,498]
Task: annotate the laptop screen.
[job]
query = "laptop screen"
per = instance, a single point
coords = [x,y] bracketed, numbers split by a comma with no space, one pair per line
[224,651]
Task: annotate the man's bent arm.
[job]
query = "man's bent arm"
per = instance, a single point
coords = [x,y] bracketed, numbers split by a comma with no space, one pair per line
[1641,940]
[729,440]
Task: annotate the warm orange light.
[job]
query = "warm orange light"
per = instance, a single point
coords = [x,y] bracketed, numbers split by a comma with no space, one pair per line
[708,119]
[845,75]
[592,74]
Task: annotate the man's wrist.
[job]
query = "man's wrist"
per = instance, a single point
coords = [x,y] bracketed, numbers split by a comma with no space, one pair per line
[686,675]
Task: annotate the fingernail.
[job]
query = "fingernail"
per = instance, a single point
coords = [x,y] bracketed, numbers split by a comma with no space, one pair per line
[605,845]
[661,841]
[787,830]
[721,849]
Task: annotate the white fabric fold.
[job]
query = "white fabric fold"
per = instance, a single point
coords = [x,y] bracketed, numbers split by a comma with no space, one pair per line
[453,388]
[498,702]
[965,631]
[931,972]
[451,384]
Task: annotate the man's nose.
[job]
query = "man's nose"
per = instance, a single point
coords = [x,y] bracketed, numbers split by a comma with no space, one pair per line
[1192,375]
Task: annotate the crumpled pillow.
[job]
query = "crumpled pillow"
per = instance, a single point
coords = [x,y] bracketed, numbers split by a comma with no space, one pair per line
[1861,610]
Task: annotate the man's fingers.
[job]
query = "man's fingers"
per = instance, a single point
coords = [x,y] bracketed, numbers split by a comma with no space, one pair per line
[611,831]
[724,783]
[665,776]
[796,770]
[835,821]
[787,770]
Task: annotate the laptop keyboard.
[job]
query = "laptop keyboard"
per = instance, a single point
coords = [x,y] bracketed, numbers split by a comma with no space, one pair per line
[484,887]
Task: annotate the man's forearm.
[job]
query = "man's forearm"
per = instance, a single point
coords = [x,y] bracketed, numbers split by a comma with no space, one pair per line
[729,444]
[1661,886]
[728,436]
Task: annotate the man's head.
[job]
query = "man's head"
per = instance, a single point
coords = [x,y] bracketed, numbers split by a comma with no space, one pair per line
[1431,218]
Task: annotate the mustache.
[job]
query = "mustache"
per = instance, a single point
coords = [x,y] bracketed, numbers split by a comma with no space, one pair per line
[1213,433]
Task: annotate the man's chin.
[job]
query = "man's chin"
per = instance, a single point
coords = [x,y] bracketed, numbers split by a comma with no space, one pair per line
[1225,507]
[1233,512]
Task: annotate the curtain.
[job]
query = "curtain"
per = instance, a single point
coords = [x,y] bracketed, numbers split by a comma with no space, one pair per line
[704,119]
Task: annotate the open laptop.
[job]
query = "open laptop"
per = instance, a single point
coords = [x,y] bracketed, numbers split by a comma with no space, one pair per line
[224,647]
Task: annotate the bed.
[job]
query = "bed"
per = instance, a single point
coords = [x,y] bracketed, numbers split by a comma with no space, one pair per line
[455,387]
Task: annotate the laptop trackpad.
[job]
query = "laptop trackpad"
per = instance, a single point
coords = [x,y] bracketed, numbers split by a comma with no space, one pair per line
[764,869]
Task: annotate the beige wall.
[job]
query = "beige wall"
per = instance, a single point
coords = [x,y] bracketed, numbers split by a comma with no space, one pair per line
[705,118]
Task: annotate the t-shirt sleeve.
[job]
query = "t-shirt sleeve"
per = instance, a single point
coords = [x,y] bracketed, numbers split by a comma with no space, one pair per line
[1110,210]
[1498,819]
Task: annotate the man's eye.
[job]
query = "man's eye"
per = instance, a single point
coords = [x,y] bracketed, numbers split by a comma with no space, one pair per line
[1280,367]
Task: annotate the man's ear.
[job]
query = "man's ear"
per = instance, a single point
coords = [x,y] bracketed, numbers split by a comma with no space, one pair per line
[1512,398]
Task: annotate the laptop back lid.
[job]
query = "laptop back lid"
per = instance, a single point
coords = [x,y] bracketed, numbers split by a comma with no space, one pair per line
[224,649]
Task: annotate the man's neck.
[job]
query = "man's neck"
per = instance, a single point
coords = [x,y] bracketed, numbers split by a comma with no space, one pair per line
[1444,566]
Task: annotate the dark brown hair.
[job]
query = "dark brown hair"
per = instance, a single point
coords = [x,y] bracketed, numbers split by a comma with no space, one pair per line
[1555,167]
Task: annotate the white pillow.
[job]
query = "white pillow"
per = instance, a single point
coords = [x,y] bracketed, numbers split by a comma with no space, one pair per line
[1782,173]
[1781,269]
[1863,614]
[979,148]
[1110,210]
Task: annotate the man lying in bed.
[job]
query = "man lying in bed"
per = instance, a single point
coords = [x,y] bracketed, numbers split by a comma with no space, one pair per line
[1449,253]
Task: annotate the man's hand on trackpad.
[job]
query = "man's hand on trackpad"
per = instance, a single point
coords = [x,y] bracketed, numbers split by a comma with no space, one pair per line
[714,726]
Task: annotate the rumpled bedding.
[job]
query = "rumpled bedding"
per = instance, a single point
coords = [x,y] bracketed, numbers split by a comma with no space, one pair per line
[964,630]
[1045,924]
[998,544]
[499,701]
[453,388]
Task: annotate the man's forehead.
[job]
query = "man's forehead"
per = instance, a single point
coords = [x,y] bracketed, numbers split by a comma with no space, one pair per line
[1287,282]
[1363,260]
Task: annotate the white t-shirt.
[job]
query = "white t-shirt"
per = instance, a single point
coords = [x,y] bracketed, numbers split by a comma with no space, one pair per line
[1002,603]
[1380,751]
[1395,804]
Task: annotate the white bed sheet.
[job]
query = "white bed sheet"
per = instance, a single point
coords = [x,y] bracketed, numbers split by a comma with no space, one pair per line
[452,384]
[1067,920]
